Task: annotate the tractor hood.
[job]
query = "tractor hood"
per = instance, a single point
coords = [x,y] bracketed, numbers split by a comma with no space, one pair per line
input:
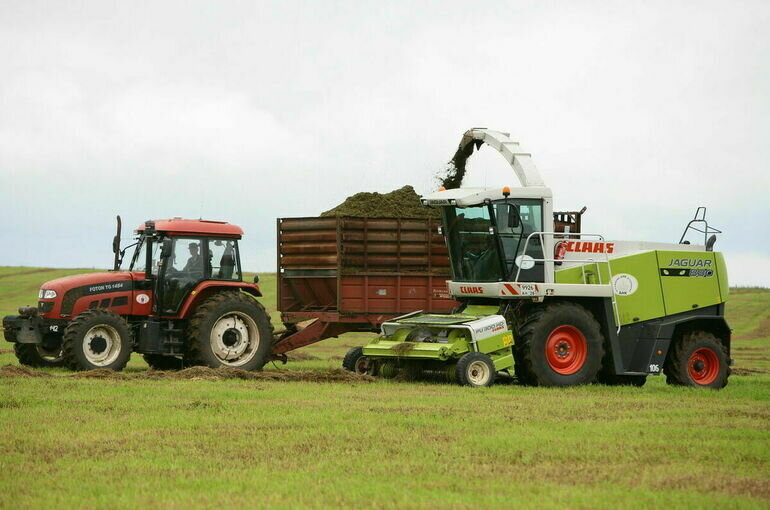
[62,285]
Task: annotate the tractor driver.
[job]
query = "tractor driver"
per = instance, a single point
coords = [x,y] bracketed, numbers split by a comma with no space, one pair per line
[194,263]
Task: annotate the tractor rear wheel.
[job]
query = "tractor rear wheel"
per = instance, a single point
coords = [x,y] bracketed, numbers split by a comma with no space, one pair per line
[475,369]
[161,362]
[355,361]
[97,339]
[229,329]
[34,355]
[697,359]
[558,345]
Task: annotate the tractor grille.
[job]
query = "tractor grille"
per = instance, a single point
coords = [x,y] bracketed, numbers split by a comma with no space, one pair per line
[44,306]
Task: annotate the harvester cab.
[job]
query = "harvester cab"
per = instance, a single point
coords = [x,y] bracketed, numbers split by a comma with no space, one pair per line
[556,305]
[182,301]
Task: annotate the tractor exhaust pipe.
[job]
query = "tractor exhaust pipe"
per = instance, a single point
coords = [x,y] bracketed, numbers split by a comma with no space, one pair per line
[116,246]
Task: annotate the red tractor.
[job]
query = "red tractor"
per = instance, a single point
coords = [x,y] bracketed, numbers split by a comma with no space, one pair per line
[181,302]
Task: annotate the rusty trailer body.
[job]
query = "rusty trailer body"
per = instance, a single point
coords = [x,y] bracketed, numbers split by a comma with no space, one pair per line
[352,274]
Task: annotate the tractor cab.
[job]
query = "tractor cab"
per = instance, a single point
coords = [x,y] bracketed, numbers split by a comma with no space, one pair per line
[489,232]
[173,257]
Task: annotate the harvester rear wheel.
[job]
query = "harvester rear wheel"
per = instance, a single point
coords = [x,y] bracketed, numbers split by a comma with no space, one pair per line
[161,362]
[34,355]
[475,369]
[697,359]
[97,338]
[355,361]
[229,329]
[558,345]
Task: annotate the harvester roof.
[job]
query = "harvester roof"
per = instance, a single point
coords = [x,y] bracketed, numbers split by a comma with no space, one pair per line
[466,197]
[195,227]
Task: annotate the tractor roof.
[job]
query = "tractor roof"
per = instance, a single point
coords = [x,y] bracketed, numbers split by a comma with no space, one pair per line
[195,227]
[466,197]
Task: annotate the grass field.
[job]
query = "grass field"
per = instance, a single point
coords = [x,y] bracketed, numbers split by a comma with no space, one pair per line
[70,442]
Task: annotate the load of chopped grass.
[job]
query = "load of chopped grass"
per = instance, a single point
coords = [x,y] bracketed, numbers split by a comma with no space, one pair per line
[399,203]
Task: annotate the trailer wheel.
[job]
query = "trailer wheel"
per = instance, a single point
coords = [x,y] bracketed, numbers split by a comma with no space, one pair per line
[697,359]
[97,339]
[558,345]
[475,369]
[355,361]
[34,355]
[229,329]
[161,362]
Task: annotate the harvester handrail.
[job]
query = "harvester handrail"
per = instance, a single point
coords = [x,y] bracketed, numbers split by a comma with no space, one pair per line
[606,259]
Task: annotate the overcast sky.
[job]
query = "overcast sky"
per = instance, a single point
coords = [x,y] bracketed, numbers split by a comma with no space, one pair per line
[249,111]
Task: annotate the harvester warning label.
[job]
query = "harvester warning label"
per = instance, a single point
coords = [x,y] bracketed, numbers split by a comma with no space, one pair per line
[624,284]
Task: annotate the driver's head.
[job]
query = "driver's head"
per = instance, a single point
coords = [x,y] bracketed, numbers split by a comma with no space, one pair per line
[193,248]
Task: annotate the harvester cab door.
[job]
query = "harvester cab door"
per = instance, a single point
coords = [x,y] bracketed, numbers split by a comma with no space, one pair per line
[181,272]
[516,219]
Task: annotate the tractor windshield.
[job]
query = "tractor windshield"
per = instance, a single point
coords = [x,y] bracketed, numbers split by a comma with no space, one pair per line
[486,241]
[139,260]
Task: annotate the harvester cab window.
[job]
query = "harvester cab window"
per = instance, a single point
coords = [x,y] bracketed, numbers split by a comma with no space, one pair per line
[516,219]
[223,260]
[473,248]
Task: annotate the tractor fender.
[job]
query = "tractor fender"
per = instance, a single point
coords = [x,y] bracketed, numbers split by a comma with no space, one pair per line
[205,289]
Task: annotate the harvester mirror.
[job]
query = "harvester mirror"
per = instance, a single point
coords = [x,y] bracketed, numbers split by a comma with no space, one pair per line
[166,248]
[513,216]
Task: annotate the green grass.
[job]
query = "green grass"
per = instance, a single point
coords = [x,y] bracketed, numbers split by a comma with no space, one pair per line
[177,444]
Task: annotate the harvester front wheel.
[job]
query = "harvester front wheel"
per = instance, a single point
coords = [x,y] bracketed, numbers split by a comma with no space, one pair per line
[558,345]
[697,359]
[229,329]
[355,361]
[97,339]
[475,369]
[34,355]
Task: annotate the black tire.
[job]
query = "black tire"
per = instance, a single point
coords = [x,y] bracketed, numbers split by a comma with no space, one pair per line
[355,361]
[475,369]
[578,341]
[697,359]
[211,337]
[34,355]
[161,362]
[97,339]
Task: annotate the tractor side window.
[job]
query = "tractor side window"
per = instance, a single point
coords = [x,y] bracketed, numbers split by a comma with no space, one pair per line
[187,258]
[223,260]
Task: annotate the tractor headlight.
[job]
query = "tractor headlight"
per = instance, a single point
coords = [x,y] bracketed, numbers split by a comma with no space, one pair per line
[46,294]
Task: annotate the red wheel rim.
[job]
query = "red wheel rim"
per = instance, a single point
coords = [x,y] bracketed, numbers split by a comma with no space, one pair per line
[566,350]
[362,365]
[703,366]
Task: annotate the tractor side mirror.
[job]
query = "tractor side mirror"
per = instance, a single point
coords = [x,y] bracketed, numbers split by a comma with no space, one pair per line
[165,248]
[116,246]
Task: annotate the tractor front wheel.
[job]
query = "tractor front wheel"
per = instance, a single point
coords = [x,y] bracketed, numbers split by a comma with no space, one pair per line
[229,329]
[558,345]
[475,369]
[97,339]
[697,359]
